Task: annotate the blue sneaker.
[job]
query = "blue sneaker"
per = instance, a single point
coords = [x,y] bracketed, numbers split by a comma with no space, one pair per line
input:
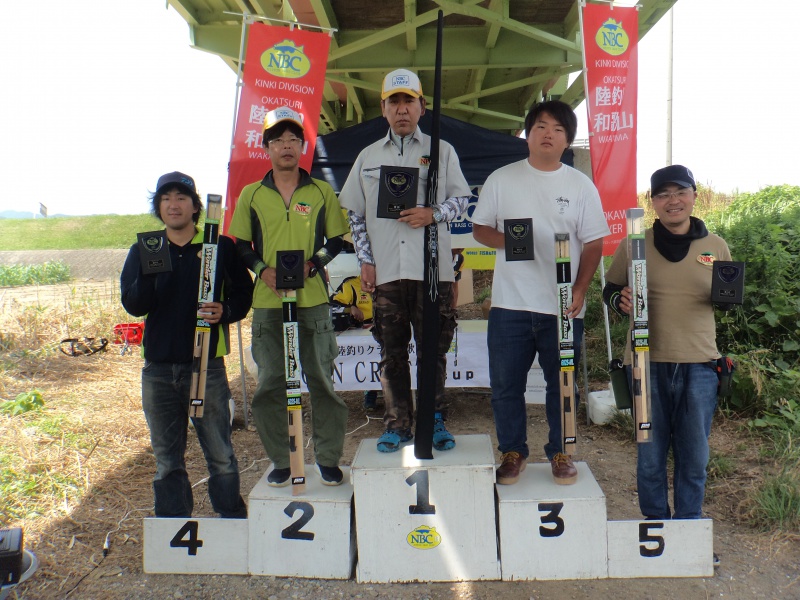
[442,439]
[392,438]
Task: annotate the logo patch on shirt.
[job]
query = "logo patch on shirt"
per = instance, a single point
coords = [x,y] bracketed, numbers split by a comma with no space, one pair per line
[562,203]
[706,258]
[424,161]
[302,208]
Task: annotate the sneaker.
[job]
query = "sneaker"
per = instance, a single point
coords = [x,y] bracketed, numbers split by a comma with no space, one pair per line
[442,439]
[392,438]
[370,399]
[715,560]
[564,472]
[330,475]
[279,477]
[511,465]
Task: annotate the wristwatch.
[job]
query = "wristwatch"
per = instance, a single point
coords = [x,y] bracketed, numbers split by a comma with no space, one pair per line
[312,269]
[438,215]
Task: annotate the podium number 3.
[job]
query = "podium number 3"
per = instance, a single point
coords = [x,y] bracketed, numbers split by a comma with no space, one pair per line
[644,536]
[192,543]
[423,505]
[552,508]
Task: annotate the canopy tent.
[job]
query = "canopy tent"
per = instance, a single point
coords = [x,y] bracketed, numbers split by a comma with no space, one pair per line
[480,150]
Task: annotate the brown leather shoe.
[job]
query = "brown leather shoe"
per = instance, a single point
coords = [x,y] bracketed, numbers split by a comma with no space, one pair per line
[512,464]
[564,472]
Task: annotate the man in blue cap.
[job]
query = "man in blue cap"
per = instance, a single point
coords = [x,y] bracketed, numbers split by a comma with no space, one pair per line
[680,254]
[168,301]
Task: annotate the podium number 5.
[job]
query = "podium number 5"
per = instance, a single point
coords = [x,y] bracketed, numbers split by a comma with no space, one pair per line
[644,536]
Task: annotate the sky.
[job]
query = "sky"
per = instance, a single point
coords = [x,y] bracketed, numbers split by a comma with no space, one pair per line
[100,97]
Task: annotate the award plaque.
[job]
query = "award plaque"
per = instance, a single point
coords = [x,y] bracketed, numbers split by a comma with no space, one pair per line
[289,269]
[727,285]
[154,252]
[519,239]
[397,191]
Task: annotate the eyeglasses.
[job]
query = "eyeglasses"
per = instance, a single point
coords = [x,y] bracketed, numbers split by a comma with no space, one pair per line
[292,141]
[683,194]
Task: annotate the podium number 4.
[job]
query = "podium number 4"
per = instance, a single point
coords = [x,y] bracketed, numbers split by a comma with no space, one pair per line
[192,543]
[645,537]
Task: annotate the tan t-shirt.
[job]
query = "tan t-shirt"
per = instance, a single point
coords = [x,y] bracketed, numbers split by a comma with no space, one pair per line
[681,316]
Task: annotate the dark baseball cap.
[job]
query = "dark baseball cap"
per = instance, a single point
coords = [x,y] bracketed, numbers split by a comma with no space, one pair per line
[677,174]
[173,178]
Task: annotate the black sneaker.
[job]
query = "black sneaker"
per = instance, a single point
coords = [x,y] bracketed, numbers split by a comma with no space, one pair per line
[279,477]
[370,399]
[330,475]
[715,560]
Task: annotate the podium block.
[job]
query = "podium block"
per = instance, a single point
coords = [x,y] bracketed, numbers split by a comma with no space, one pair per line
[426,520]
[199,546]
[309,535]
[672,548]
[551,531]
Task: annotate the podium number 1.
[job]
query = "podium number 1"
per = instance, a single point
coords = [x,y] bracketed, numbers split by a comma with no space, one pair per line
[552,508]
[423,505]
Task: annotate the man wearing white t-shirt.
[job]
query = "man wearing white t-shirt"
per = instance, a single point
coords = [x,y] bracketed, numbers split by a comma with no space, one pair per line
[523,317]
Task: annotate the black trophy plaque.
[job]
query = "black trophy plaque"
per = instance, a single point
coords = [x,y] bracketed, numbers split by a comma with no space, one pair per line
[289,270]
[727,285]
[154,252]
[397,191]
[518,239]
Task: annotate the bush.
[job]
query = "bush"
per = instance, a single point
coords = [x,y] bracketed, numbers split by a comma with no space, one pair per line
[44,274]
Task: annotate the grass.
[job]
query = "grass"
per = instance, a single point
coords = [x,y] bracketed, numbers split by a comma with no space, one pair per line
[44,274]
[74,233]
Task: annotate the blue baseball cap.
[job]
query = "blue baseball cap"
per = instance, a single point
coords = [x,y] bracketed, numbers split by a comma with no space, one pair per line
[176,177]
[677,174]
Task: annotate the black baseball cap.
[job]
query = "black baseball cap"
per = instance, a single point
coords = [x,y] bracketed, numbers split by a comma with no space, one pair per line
[677,174]
[173,178]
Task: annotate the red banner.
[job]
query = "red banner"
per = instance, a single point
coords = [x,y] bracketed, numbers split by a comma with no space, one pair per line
[282,67]
[610,37]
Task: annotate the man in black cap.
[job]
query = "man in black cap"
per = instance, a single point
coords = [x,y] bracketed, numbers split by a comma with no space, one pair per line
[168,300]
[683,352]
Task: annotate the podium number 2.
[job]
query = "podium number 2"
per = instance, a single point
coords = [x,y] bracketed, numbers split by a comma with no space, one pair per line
[644,536]
[192,543]
[552,508]
[423,505]
[294,531]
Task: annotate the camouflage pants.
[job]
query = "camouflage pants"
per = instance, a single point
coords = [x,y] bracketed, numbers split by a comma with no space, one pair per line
[397,306]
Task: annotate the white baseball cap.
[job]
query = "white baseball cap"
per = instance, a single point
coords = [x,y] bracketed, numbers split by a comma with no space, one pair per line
[401,81]
[280,114]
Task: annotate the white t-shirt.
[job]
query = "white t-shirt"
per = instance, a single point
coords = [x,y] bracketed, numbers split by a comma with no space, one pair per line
[398,248]
[561,201]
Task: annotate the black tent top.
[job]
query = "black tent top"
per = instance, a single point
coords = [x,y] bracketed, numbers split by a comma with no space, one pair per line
[481,151]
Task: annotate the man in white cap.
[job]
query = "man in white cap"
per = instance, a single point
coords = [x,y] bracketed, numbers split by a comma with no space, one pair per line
[390,253]
[289,210]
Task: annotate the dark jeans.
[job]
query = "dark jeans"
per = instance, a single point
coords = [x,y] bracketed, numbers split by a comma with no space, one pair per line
[165,400]
[515,338]
[397,306]
[683,399]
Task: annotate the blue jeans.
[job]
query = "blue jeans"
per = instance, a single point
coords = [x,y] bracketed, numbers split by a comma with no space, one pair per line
[515,337]
[165,400]
[683,398]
